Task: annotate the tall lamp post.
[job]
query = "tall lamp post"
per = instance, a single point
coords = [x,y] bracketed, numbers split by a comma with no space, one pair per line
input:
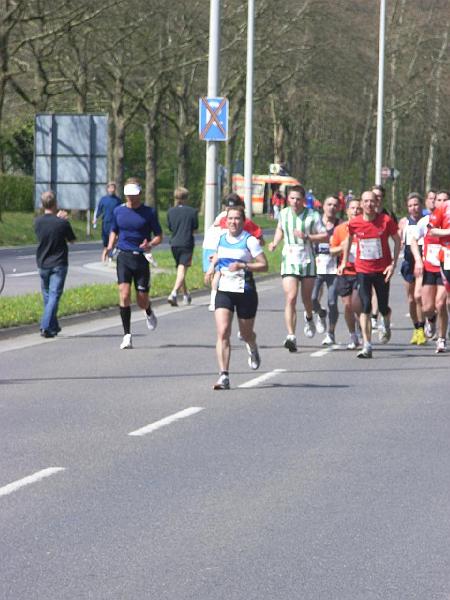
[212,148]
[380,108]
[248,157]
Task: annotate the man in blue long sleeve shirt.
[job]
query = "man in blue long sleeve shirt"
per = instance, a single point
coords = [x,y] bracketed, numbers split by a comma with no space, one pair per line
[105,209]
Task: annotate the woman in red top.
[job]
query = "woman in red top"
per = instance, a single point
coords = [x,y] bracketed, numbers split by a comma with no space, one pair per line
[374,265]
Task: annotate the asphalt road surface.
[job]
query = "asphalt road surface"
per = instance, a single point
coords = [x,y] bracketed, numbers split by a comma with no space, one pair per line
[318,477]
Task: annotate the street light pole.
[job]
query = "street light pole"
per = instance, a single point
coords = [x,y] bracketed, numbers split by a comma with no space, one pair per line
[248,158]
[380,108]
[212,148]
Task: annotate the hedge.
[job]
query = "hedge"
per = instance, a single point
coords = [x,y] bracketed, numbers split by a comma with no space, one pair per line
[16,193]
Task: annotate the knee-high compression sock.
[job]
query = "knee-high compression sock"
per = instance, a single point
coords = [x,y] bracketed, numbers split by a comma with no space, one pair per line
[125,315]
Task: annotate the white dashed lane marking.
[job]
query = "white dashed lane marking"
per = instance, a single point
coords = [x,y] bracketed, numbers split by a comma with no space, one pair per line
[20,483]
[261,379]
[182,414]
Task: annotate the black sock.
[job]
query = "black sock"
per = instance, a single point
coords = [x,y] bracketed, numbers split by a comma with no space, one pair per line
[224,373]
[432,319]
[309,318]
[420,324]
[148,310]
[125,315]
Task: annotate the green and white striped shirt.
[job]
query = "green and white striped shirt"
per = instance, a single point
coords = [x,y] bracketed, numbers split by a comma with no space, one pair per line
[298,255]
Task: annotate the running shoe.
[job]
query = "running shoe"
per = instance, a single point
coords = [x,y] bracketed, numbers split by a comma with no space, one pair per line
[366,352]
[321,321]
[328,340]
[239,336]
[374,323]
[384,333]
[223,383]
[254,360]
[441,346]
[354,342]
[291,343]
[187,299]
[430,328]
[172,300]
[45,333]
[309,329]
[413,339]
[152,321]
[126,342]
[421,338]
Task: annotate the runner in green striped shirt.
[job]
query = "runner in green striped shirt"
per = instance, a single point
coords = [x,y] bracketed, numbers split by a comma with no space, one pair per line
[300,227]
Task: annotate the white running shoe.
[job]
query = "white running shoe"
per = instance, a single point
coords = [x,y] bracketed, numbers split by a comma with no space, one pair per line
[126,342]
[172,300]
[321,322]
[152,321]
[384,332]
[239,336]
[328,340]
[223,383]
[430,328]
[374,323]
[309,329]
[441,346]
[354,342]
[290,343]
[254,360]
[187,299]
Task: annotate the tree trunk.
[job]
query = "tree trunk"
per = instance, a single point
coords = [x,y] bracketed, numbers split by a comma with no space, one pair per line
[151,162]
[436,113]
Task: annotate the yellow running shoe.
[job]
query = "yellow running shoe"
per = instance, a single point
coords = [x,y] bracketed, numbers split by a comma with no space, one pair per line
[421,338]
[413,339]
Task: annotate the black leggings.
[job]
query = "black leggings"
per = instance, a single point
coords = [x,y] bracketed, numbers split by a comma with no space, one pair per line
[367,281]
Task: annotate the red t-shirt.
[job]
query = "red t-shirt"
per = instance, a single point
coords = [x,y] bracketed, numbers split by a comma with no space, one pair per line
[440,219]
[249,226]
[373,254]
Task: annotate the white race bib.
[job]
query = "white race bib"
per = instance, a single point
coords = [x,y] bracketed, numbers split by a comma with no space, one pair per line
[232,281]
[352,253]
[326,264]
[433,254]
[370,249]
[297,255]
[447,259]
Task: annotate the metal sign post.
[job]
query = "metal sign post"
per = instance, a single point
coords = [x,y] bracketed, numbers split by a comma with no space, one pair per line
[212,149]
[380,109]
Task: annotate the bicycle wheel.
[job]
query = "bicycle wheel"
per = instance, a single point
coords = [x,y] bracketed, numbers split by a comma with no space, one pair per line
[2,279]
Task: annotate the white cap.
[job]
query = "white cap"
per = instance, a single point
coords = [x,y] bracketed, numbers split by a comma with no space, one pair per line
[132,189]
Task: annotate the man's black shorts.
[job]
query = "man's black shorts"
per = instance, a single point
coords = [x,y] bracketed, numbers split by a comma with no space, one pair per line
[345,284]
[131,267]
[431,278]
[182,255]
[246,304]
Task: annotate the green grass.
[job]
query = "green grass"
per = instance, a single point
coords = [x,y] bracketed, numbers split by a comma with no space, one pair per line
[26,309]
[16,228]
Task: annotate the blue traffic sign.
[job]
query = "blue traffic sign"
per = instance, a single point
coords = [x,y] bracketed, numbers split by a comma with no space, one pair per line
[213,119]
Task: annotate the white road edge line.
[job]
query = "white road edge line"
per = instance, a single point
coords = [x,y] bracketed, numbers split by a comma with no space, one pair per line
[23,274]
[20,483]
[261,379]
[182,414]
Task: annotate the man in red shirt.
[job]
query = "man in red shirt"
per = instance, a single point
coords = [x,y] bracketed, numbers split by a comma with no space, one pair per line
[374,265]
[440,227]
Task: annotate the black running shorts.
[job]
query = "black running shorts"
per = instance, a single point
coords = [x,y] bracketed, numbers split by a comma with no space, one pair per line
[182,255]
[246,304]
[432,278]
[345,284]
[131,267]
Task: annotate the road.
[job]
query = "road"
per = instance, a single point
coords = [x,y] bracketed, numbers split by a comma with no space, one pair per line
[328,479]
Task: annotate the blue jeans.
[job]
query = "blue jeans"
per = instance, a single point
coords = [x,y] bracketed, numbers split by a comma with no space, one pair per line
[52,286]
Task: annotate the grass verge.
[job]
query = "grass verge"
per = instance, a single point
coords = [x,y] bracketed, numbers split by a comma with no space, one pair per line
[27,308]
[16,228]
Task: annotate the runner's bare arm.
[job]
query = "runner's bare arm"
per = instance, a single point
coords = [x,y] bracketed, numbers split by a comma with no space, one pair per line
[276,239]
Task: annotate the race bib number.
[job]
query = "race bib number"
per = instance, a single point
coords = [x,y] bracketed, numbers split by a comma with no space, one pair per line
[446,259]
[352,253]
[297,255]
[326,264]
[370,249]
[433,254]
[232,281]
[410,233]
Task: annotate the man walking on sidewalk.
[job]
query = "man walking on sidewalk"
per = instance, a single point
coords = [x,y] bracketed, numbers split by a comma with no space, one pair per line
[53,231]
